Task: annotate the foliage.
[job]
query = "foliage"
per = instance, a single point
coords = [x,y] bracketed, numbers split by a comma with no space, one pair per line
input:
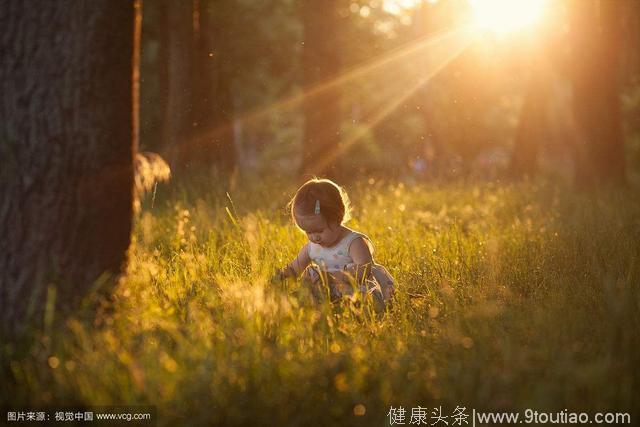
[510,297]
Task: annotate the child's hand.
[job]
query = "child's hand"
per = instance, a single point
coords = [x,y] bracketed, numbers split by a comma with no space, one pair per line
[357,272]
[281,274]
[278,275]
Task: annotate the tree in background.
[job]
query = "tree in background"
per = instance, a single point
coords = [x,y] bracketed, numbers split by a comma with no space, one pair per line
[229,59]
[213,110]
[539,56]
[596,45]
[531,128]
[175,69]
[429,19]
[322,112]
[66,132]
[194,84]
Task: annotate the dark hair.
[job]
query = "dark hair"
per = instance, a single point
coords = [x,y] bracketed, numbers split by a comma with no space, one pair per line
[332,199]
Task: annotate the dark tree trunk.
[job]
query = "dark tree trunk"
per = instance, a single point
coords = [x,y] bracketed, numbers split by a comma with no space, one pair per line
[135,70]
[596,44]
[195,88]
[153,71]
[66,132]
[176,58]
[320,62]
[212,140]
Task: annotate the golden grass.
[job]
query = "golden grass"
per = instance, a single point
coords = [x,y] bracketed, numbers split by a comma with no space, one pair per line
[509,297]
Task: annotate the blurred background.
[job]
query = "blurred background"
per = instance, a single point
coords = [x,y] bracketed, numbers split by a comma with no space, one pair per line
[409,89]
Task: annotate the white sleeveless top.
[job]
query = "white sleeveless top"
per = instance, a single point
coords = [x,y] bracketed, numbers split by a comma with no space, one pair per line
[336,258]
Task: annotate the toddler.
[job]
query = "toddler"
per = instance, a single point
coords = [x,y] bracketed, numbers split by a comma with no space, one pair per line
[335,257]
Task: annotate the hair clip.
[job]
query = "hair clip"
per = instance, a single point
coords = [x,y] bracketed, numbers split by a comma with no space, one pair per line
[317,210]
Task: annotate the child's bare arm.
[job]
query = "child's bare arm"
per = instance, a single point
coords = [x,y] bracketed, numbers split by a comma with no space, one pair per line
[353,272]
[360,252]
[297,266]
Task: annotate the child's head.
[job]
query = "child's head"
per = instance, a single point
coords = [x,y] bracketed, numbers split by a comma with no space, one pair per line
[319,208]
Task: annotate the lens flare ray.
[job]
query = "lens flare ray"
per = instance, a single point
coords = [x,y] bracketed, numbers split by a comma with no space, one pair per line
[424,51]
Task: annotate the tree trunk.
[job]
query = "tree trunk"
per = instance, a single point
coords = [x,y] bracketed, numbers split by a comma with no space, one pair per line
[176,57]
[66,132]
[195,88]
[531,127]
[320,62]
[596,103]
[435,153]
[213,138]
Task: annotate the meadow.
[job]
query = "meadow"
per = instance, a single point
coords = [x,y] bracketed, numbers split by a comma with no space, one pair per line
[510,296]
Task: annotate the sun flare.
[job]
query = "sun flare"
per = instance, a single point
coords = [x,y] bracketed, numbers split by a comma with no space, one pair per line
[504,16]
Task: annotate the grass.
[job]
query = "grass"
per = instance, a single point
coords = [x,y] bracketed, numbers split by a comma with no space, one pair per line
[509,297]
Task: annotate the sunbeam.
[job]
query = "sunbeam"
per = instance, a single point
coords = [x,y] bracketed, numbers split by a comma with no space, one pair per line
[452,53]
[361,71]
[418,51]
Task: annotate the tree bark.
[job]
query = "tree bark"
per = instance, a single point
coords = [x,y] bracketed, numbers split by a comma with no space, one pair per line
[322,112]
[595,27]
[66,132]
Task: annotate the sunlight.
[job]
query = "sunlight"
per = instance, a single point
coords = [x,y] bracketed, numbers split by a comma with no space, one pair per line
[398,7]
[504,16]
[454,44]
[446,40]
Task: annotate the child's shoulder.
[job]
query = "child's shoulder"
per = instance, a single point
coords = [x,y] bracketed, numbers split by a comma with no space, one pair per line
[360,238]
[355,234]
